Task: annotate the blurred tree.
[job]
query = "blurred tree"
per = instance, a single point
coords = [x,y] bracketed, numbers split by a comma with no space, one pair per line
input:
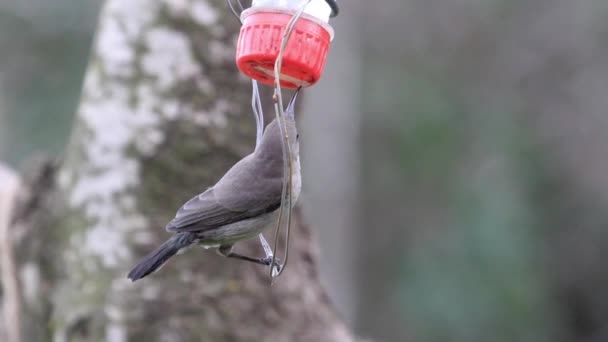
[45,46]
[159,120]
[484,163]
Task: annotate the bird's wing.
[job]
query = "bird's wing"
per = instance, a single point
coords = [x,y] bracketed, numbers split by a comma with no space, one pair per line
[245,191]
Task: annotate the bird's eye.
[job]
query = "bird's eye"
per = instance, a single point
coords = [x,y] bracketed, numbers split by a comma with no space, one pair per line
[297,136]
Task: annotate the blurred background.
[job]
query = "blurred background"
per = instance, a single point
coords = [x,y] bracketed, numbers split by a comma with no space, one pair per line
[455,158]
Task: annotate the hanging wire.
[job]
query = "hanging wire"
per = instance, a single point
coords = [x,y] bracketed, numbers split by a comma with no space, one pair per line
[240,5]
[334,7]
[287,155]
[258,113]
[256,102]
[233,10]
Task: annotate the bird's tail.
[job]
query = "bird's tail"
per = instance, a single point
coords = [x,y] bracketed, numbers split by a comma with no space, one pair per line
[155,259]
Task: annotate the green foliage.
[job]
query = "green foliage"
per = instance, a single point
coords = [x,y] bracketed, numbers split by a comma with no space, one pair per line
[479,278]
[470,269]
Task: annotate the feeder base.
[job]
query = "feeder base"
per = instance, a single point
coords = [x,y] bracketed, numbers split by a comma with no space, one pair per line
[304,56]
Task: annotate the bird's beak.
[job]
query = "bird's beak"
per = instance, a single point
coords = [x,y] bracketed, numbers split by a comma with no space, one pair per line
[292,103]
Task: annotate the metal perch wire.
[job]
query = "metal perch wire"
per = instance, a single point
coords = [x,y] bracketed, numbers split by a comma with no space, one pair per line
[285,210]
[287,156]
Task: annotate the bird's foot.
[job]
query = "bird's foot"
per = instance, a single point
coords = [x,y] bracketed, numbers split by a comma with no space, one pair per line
[276,266]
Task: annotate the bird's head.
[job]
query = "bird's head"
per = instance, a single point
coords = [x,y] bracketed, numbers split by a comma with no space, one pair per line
[271,140]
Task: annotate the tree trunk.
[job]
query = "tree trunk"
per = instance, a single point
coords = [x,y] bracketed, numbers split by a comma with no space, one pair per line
[11,295]
[164,113]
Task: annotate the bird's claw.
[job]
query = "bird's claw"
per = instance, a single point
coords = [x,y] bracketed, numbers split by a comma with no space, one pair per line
[276,269]
[276,266]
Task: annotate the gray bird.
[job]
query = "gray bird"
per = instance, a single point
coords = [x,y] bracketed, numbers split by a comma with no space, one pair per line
[239,206]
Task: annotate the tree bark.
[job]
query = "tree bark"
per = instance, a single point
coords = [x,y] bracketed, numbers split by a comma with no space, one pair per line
[9,187]
[164,113]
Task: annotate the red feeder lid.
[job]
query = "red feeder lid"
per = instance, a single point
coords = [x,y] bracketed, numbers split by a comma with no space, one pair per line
[304,56]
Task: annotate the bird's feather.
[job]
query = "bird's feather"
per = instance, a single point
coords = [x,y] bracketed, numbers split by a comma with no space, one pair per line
[250,188]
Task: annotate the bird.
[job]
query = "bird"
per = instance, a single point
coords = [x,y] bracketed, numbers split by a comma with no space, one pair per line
[242,204]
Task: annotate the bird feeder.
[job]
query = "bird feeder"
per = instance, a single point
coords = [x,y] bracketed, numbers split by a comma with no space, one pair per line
[304,56]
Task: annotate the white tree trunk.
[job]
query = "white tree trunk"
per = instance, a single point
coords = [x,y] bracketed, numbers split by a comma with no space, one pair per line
[9,188]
